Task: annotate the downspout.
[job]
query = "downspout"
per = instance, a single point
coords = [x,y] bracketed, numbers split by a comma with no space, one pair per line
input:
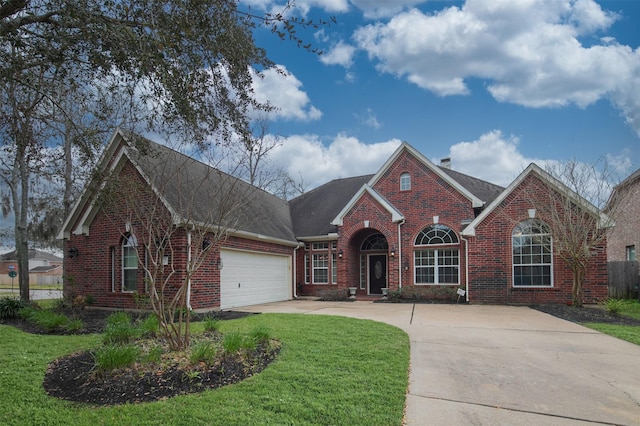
[466,268]
[295,275]
[400,254]
[188,270]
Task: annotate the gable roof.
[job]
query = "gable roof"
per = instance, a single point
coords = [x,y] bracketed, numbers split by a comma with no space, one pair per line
[404,146]
[313,211]
[191,191]
[396,216]
[604,220]
[486,191]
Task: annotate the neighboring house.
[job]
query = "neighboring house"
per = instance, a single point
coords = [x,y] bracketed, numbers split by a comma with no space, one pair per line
[44,268]
[412,225]
[624,238]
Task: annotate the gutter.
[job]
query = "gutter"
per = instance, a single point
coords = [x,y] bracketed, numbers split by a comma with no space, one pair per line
[400,223]
[187,269]
[466,268]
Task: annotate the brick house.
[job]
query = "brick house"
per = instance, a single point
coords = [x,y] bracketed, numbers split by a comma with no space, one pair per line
[624,238]
[413,225]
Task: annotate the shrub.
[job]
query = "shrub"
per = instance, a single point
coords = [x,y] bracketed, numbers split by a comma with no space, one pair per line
[73,326]
[211,324]
[149,326]
[232,342]
[260,334]
[115,356]
[48,320]
[10,308]
[614,306]
[120,330]
[202,352]
[334,294]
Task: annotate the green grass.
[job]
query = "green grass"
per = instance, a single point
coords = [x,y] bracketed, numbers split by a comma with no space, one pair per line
[626,308]
[330,371]
[629,333]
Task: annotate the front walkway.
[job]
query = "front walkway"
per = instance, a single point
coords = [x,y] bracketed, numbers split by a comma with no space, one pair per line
[489,365]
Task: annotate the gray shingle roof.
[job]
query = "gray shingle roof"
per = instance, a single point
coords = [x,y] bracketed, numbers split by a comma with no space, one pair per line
[484,190]
[197,191]
[313,211]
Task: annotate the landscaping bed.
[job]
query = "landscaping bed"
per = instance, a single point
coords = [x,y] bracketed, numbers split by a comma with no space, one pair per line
[586,314]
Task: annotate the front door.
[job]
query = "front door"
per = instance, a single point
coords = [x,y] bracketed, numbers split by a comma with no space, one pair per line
[377,273]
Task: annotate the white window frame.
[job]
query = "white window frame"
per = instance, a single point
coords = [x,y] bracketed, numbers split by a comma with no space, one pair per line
[320,267]
[129,251]
[405,182]
[440,264]
[532,258]
[334,268]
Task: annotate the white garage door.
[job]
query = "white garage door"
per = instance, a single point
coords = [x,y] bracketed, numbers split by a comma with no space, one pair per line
[249,278]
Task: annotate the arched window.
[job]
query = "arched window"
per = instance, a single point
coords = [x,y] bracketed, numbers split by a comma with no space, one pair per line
[532,248]
[405,182]
[375,242]
[436,234]
[129,263]
[436,265]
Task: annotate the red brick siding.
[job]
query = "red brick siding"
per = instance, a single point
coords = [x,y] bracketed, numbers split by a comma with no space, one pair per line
[490,261]
[626,232]
[90,272]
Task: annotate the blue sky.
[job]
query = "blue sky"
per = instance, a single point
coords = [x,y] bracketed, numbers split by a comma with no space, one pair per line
[494,85]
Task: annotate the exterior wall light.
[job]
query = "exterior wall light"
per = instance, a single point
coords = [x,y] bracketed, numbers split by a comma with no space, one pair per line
[393,252]
[340,254]
[73,252]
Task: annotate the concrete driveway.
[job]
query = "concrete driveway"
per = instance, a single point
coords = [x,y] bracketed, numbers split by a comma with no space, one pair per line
[506,365]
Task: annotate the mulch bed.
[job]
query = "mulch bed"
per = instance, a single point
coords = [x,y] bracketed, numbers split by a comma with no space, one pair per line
[73,377]
[585,314]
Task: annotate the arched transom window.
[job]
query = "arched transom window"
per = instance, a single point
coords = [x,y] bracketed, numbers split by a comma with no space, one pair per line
[532,248]
[436,234]
[375,242]
[436,265]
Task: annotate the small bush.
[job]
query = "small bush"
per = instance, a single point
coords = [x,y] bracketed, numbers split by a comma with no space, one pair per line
[120,330]
[260,334]
[232,342]
[111,357]
[10,308]
[48,320]
[211,324]
[614,306]
[73,326]
[334,294]
[202,352]
[149,326]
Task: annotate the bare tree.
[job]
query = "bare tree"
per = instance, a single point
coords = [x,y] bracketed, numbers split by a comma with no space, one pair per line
[178,213]
[569,201]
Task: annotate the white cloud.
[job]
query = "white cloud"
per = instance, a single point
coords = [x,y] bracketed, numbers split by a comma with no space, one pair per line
[374,9]
[528,54]
[339,54]
[345,156]
[369,119]
[283,91]
[492,157]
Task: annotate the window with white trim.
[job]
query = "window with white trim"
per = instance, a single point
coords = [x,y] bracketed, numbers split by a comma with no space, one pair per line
[129,264]
[320,268]
[532,249]
[306,269]
[334,268]
[405,182]
[436,265]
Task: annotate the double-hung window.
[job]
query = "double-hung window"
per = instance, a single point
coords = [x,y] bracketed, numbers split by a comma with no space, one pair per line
[320,262]
[436,256]
[129,264]
[532,248]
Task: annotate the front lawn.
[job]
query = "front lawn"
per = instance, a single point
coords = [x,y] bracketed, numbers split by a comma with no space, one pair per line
[630,333]
[331,370]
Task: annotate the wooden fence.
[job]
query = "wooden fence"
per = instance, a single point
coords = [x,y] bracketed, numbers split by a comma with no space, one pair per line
[623,280]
